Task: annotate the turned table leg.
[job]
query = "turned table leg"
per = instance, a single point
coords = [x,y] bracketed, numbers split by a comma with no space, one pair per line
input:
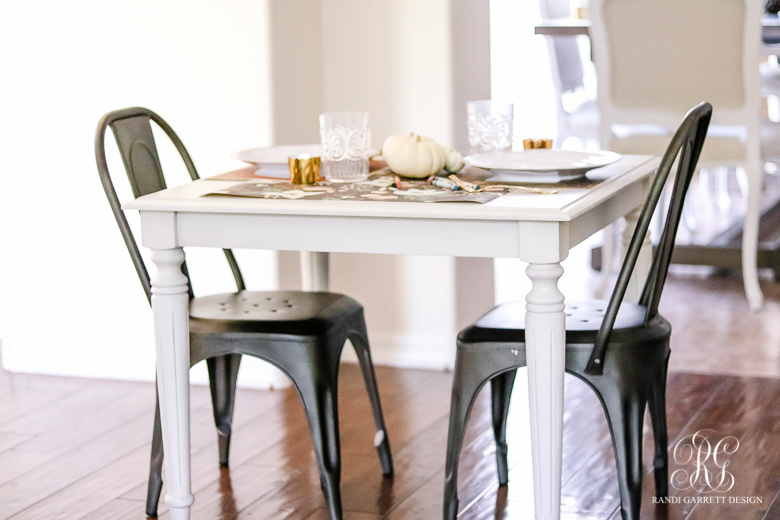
[170,307]
[545,347]
[315,271]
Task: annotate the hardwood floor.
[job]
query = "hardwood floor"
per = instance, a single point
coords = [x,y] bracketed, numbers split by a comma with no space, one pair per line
[79,449]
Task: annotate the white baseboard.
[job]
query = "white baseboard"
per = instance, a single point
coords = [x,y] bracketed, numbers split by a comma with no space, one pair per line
[395,350]
[409,351]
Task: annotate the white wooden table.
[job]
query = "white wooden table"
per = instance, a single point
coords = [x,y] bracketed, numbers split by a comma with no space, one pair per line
[538,229]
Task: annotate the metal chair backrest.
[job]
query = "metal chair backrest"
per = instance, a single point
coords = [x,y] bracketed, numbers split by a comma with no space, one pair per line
[133,132]
[685,149]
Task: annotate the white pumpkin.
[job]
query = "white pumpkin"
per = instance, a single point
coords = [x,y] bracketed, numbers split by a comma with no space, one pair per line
[413,155]
[392,141]
[453,161]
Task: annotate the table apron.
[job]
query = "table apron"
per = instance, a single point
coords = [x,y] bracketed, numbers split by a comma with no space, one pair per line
[608,212]
[338,234]
[531,241]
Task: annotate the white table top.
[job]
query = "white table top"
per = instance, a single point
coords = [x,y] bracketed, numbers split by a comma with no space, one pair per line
[532,227]
[563,206]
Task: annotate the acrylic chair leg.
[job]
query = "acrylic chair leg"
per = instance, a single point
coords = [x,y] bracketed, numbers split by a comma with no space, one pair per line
[381,442]
[657,406]
[742,181]
[607,261]
[501,394]
[625,416]
[154,489]
[223,373]
[724,197]
[689,218]
[644,261]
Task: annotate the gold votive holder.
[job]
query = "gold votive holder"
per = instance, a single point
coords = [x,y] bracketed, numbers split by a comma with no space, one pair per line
[579,12]
[535,144]
[304,168]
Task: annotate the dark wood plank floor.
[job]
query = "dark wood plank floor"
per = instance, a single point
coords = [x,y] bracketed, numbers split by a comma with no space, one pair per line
[73,448]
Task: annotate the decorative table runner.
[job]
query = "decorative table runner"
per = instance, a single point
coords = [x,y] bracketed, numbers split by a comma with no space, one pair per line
[382,186]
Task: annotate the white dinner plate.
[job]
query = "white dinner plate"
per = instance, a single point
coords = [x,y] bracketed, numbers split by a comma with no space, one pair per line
[565,163]
[272,160]
[276,154]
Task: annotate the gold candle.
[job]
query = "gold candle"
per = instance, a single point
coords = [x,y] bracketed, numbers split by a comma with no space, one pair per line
[532,144]
[304,168]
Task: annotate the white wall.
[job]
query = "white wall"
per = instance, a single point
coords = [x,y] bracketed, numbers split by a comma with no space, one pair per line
[520,72]
[228,75]
[70,302]
[520,67]
[412,65]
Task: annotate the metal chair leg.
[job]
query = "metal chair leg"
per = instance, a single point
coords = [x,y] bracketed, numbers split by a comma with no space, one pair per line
[625,415]
[154,489]
[472,370]
[320,402]
[463,395]
[501,393]
[657,406]
[359,341]
[223,373]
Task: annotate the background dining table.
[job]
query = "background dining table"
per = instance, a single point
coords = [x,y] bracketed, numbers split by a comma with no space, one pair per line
[770,28]
[538,229]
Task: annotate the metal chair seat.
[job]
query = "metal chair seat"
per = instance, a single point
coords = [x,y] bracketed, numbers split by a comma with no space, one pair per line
[296,313]
[506,323]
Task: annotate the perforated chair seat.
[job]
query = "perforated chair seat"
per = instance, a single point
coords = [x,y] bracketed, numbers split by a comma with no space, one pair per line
[296,313]
[505,323]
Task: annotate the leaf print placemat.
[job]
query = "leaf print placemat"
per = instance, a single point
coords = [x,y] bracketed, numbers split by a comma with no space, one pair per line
[379,188]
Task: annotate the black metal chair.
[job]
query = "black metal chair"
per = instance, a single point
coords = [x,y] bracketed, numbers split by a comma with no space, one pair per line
[301,333]
[619,349]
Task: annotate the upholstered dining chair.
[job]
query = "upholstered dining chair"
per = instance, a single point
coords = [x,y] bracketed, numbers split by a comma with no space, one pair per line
[618,349]
[578,122]
[656,59]
[301,333]
[579,119]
